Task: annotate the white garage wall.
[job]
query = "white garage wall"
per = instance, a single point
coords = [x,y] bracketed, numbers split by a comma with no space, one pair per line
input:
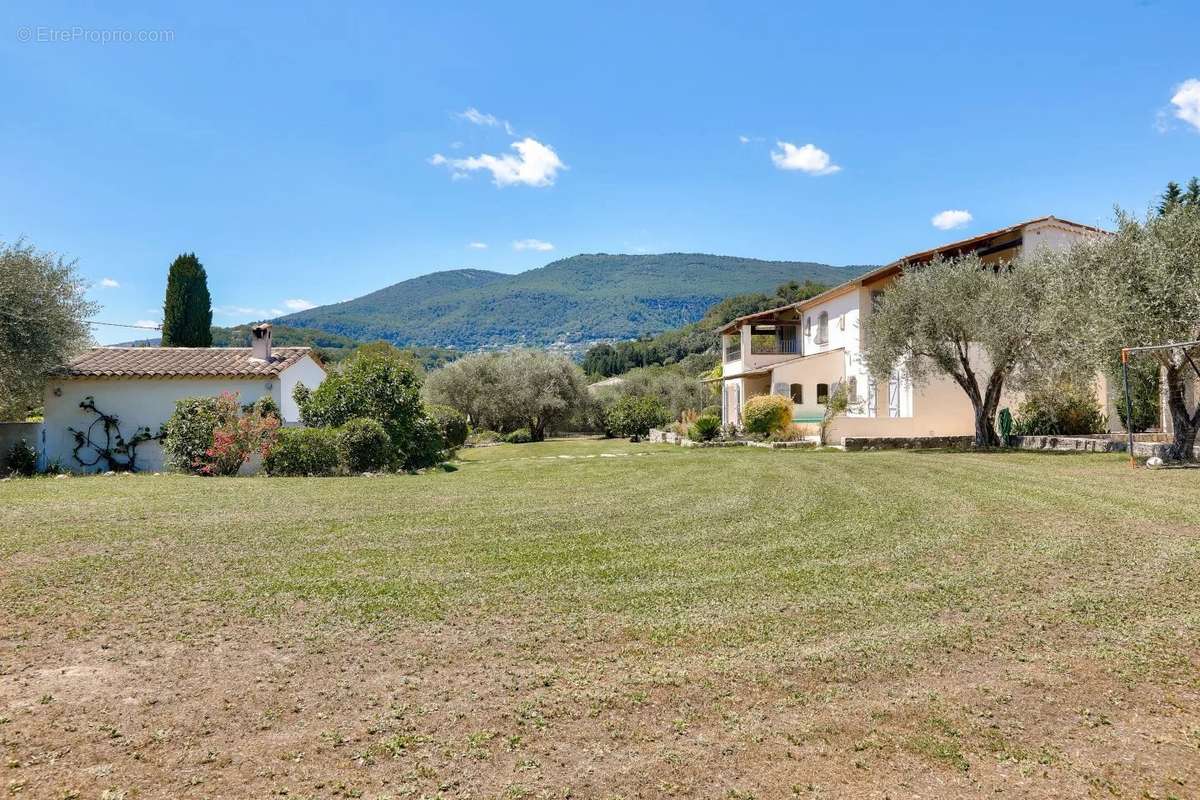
[136,402]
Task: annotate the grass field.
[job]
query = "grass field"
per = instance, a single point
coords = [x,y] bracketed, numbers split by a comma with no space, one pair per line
[601,619]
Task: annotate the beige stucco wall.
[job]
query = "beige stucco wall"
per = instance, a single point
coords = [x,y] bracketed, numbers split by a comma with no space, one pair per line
[150,402]
[828,367]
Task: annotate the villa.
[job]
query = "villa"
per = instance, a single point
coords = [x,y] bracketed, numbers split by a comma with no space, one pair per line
[806,349]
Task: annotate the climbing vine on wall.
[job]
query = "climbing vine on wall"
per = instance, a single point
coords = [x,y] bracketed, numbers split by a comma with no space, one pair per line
[102,441]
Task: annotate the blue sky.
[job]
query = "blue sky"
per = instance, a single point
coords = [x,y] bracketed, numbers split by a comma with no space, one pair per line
[309,153]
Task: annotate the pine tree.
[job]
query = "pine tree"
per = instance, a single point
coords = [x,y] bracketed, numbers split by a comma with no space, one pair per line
[1170,198]
[1191,197]
[187,309]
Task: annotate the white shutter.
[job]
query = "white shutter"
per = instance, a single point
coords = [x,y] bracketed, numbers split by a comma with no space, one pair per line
[871,397]
[893,396]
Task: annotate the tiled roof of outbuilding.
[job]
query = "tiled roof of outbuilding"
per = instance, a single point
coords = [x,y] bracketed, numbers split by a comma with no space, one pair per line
[180,362]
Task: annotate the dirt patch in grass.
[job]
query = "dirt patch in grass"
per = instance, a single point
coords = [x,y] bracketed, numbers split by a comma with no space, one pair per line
[526,708]
[705,624]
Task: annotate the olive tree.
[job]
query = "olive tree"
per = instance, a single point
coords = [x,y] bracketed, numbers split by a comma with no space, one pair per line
[976,323]
[1140,287]
[43,322]
[506,391]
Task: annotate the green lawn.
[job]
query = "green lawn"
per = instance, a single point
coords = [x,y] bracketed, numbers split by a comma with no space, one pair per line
[609,619]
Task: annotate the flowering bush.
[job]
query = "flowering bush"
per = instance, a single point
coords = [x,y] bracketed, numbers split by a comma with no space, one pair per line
[215,436]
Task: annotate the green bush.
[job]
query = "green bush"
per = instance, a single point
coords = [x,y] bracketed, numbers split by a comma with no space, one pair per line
[706,428]
[380,384]
[304,451]
[188,433]
[451,424]
[264,406]
[634,416]
[1064,410]
[767,414]
[22,459]
[711,411]
[364,446]
[519,436]
[478,438]
[1143,394]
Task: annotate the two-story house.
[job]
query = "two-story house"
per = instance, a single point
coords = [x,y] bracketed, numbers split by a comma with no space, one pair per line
[806,349]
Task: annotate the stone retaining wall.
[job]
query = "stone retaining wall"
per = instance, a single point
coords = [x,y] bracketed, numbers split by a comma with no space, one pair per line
[1159,449]
[1079,444]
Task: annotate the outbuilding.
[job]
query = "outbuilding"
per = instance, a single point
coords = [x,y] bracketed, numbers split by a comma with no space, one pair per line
[139,386]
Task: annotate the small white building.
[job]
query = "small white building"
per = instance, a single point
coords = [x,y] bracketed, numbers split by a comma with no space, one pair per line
[140,385]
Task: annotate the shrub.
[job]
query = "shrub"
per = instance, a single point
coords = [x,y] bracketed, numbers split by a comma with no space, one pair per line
[22,459]
[480,438]
[379,384]
[767,414]
[711,411]
[364,446]
[215,436]
[451,424]
[634,416]
[792,433]
[519,436]
[705,428]
[304,451]
[188,433]
[264,406]
[1143,394]
[1065,410]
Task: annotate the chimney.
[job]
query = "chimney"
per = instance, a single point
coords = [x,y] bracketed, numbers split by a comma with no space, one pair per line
[260,341]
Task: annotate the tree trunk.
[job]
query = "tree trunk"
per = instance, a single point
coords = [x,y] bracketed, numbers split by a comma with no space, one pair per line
[1185,420]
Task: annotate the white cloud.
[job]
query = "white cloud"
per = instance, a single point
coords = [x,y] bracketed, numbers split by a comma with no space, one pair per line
[809,158]
[532,244]
[951,218]
[476,117]
[109,283]
[478,245]
[1187,102]
[299,305]
[744,139]
[535,164]
[147,323]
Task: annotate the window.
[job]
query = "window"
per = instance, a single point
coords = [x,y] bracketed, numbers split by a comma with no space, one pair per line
[852,390]
[798,393]
[822,393]
[822,328]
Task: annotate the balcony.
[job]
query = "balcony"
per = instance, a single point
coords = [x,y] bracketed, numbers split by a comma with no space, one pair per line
[774,340]
[733,349]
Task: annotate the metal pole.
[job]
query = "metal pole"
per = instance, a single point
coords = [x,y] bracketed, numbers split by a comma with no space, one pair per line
[1128,403]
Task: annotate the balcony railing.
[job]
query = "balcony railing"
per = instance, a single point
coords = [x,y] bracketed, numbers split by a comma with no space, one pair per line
[733,351]
[774,340]
[774,346]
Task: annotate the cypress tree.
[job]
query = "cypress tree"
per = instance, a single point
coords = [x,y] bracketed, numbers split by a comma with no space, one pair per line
[187,309]
[1192,196]
[1170,198]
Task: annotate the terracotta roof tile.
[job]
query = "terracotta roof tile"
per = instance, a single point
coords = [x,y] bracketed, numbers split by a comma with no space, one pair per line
[180,362]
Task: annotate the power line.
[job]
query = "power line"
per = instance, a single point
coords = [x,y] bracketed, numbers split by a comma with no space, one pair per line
[123,325]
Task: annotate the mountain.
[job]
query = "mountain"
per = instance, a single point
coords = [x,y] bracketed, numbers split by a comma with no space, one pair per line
[580,299]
